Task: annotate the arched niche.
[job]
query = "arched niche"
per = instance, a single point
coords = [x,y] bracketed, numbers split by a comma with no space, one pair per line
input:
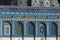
[19,28]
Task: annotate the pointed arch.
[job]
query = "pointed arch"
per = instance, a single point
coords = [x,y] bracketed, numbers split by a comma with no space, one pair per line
[7,27]
[53,28]
[42,27]
[31,28]
[19,28]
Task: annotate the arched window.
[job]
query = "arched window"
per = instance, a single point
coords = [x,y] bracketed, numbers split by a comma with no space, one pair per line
[42,27]
[53,29]
[7,26]
[19,28]
[31,28]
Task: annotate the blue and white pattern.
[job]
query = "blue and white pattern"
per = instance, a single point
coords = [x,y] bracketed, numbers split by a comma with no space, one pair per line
[44,24]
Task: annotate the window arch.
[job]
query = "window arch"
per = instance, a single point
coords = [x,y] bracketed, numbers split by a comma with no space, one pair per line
[7,26]
[53,29]
[19,28]
[42,29]
[31,28]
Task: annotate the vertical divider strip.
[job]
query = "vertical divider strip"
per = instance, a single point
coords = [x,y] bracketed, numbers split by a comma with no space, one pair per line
[11,28]
[57,32]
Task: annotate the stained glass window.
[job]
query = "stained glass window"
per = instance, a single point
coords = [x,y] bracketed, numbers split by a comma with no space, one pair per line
[31,28]
[53,28]
[7,28]
[19,28]
[42,28]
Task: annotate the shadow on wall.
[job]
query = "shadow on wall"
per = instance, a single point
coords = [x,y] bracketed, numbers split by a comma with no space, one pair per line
[59,2]
[8,2]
